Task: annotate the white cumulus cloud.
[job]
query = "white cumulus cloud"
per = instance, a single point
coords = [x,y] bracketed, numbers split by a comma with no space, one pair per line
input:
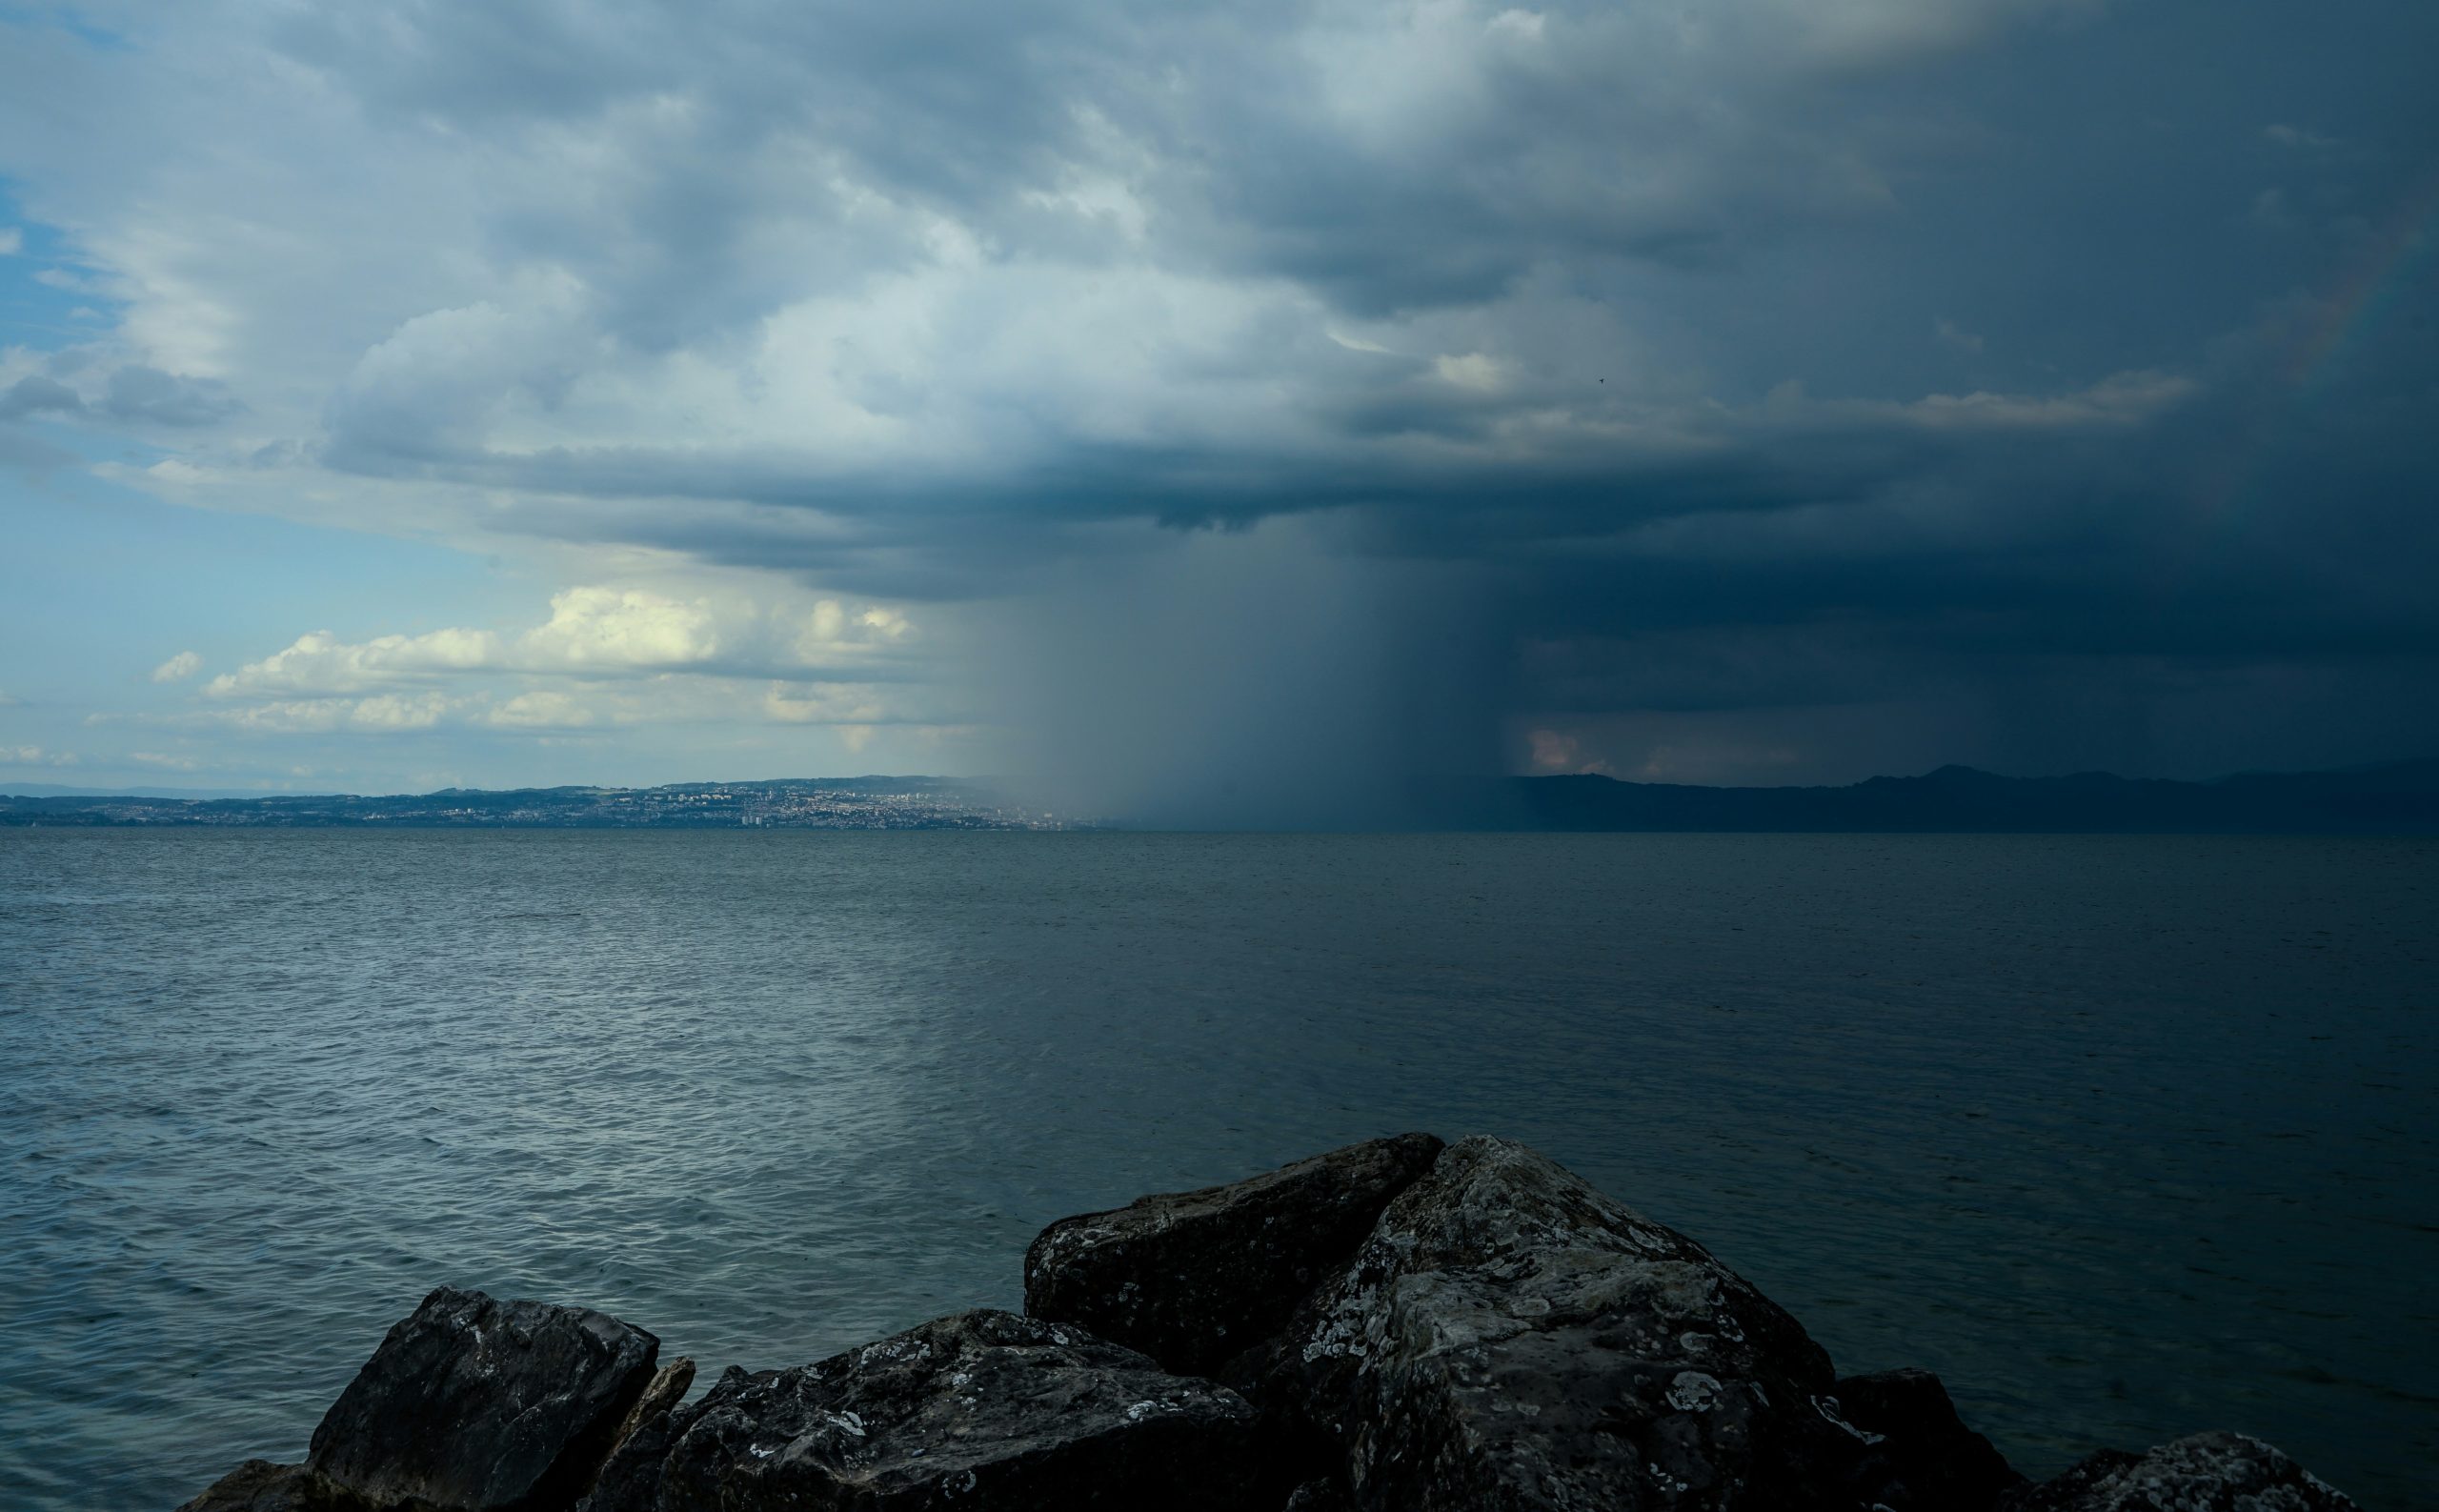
[621,629]
[385,713]
[321,662]
[593,632]
[178,667]
[823,703]
[542,709]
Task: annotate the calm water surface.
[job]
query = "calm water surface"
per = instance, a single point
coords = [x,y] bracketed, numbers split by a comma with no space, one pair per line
[2124,1137]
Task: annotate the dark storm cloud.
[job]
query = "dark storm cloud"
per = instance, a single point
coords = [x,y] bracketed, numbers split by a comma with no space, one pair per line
[1980,362]
[152,396]
[1392,156]
[36,395]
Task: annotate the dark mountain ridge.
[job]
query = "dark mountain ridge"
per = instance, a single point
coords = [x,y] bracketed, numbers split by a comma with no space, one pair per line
[2394,797]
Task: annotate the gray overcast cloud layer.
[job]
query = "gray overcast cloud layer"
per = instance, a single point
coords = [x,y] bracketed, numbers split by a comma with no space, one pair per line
[1759,389]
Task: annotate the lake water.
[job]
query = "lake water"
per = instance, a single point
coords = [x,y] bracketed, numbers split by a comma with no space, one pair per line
[2124,1137]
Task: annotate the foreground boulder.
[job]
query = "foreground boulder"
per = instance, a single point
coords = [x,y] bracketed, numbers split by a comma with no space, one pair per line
[469,1406]
[1192,1279]
[1919,1454]
[983,1409]
[477,1405]
[1509,1338]
[2207,1472]
[1407,1326]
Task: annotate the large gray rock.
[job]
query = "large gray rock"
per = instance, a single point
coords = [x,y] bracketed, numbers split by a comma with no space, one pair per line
[2207,1472]
[477,1405]
[1508,1338]
[1192,1279]
[980,1410]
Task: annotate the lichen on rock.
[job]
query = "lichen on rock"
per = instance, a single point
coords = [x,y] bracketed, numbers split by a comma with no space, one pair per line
[2203,1472]
[982,1409]
[1508,1337]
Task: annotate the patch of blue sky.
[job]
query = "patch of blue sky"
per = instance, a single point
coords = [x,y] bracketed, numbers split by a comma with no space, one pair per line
[231,587]
[66,18]
[48,298]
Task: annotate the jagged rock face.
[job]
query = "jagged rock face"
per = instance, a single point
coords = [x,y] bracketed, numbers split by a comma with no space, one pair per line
[631,1480]
[1508,1338]
[982,1409]
[667,1388]
[478,1405]
[2207,1472]
[1192,1279]
[650,1413]
[259,1486]
[1922,1458]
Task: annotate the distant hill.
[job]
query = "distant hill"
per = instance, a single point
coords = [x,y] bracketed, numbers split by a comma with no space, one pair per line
[2400,798]
[835,803]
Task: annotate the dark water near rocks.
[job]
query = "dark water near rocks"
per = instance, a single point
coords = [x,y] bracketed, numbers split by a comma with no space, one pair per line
[2124,1137]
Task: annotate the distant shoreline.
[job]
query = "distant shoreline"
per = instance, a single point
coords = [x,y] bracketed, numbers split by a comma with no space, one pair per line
[2395,799]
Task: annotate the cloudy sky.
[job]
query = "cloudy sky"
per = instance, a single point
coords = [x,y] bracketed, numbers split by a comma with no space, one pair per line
[399,394]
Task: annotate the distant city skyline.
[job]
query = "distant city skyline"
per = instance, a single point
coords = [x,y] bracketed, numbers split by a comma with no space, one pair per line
[395,397]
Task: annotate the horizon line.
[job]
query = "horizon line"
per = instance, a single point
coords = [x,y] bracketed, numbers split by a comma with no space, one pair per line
[168,794]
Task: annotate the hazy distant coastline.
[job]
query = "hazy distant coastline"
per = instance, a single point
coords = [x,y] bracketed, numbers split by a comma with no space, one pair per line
[834,803]
[2397,797]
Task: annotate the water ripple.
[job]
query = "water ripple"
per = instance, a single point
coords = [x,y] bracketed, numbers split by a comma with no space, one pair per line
[2124,1137]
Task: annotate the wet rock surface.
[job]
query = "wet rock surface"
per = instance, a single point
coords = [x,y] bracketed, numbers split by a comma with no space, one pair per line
[259,1486]
[1412,1327]
[981,1409]
[1192,1279]
[2205,1472]
[1508,1337]
[478,1405]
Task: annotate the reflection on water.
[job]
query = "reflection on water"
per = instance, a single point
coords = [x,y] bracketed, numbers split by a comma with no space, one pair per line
[2124,1137]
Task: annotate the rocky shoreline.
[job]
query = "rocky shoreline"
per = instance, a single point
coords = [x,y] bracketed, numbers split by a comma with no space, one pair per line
[1400,1325]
